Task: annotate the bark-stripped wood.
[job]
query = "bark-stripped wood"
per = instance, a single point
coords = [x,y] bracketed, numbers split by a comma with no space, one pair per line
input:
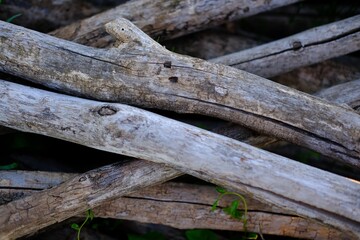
[173,18]
[310,79]
[312,46]
[39,180]
[183,206]
[143,73]
[26,215]
[134,132]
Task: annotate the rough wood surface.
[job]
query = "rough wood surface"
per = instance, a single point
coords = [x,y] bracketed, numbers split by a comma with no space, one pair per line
[134,132]
[180,205]
[143,73]
[312,46]
[211,44]
[172,19]
[26,215]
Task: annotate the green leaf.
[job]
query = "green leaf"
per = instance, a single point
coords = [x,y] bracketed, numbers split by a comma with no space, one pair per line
[13,17]
[221,190]
[199,234]
[214,206]
[233,207]
[237,214]
[9,166]
[75,226]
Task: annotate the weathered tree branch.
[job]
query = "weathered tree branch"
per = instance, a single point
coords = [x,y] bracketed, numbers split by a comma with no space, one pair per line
[179,205]
[310,79]
[79,193]
[172,19]
[143,73]
[43,180]
[299,50]
[126,130]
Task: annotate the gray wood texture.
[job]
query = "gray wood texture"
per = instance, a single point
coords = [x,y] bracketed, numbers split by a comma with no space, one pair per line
[126,130]
[310,79]
[180,205]
[302,49]
[173,18]
[143,73]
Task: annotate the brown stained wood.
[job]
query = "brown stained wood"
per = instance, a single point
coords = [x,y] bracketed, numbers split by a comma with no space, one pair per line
[183,206]
[173,18]
[126,130]
[302,49]
[143,73]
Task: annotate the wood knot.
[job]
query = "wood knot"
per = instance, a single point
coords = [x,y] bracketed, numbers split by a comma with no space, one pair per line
[173,79]
[167,64]
[107,111]
[82,179]
[297,45]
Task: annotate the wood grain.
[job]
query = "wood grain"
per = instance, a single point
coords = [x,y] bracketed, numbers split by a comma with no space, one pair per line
[143,73]
[126,130]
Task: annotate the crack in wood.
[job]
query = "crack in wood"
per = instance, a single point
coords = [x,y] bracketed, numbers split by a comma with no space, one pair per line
[286,125]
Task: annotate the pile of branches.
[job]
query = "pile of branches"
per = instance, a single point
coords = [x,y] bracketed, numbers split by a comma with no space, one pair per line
[101,73]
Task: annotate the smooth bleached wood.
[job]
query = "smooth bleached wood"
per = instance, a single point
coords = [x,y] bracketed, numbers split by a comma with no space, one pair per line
[126,130]
[143,73]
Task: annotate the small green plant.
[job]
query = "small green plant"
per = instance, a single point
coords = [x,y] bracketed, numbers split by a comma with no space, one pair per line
[233,210]
[10,166]
[10,19]
[89,216]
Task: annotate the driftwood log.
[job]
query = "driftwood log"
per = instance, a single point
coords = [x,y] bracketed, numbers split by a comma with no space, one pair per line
[126,130]
[180,205]
[143,73]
